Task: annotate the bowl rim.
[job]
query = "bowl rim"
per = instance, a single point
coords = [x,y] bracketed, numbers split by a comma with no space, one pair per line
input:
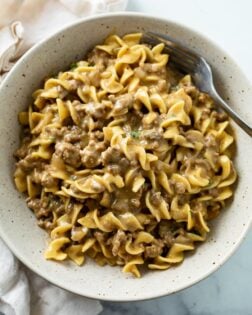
[54,281]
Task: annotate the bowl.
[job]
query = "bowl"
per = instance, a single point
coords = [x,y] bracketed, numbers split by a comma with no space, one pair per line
[18,226]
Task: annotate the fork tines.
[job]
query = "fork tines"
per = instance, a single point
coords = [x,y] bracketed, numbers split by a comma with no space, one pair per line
[180,56]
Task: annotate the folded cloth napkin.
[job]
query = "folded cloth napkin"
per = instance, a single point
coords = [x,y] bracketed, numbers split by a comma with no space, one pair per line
[24,293]
[23,23]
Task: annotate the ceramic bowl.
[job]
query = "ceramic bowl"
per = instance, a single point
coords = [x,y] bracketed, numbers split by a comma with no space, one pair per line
[18,226]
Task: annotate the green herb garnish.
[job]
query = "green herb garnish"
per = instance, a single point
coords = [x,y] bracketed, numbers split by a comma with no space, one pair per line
[73,65]
[135,134]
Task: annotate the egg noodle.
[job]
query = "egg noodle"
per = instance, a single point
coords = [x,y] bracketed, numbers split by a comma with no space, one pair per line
[123,159]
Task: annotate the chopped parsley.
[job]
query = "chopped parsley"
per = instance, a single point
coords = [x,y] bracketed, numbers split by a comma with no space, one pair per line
[73,65]
[135,134]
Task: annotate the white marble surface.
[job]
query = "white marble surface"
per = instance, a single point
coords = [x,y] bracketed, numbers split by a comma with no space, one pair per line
[228,291]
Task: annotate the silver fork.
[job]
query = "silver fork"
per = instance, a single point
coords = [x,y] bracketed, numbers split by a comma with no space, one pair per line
[187,61]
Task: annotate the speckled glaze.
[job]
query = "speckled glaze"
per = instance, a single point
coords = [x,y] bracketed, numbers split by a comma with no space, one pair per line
[17,224]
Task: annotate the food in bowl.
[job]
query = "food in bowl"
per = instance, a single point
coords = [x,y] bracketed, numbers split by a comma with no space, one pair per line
[123,159]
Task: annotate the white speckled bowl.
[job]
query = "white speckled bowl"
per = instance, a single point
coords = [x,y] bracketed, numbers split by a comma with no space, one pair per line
[17,224]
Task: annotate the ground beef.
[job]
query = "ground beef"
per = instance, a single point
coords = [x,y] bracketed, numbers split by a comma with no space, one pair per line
[95,110]
[36,176]
[94,78]
[135,202]
[43,177]
[220,116]
[118,240]
[140,73]
[125,200]
[214,192]
[165,232]
[155,121]
[183,198]
[74,84]
[153,139]
[73,134]
[162,86]
[168,239]
[194,137]
[55,133]
[122,104]
[155,198]
[180,188]
[114,169]
[24,149]
[47,180]
[47,224]
[154,250]
[151,68]
[43,207]
[34,204]
[91,155]
[213,210]
[150,135]
[29,163]
[210,142]
[98,58]
[96,135]
[40,208]
[69,153]
[124,164]
[100,236]
[191,91]
[121,205]
[117,167]
[203,98]
[111,156]
[205,113]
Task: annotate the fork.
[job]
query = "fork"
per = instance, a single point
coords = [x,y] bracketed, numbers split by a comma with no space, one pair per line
[189,62]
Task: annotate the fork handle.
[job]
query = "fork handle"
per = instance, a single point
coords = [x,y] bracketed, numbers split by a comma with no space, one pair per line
[231,113]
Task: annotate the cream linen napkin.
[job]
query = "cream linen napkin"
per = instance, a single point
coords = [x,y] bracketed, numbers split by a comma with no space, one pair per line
[23,23]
